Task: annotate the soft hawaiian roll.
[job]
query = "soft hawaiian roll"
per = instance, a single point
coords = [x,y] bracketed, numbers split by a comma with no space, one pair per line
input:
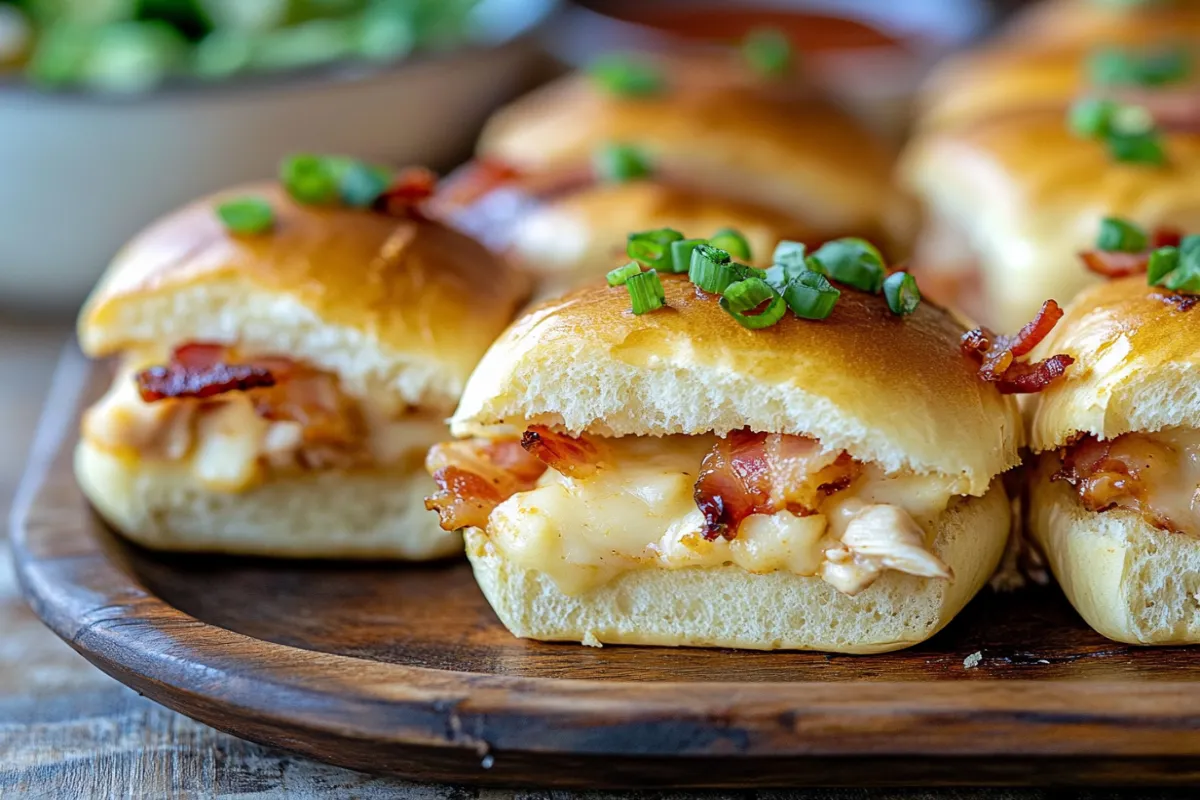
[562,174]
[1012,200]
[673,478]
[1062,23]
[1113,496]
[277,389]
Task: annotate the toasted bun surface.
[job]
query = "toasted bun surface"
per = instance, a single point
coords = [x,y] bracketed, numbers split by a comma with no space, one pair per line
[804,158]
[729,607]
[324,514]
[395,307]
[1137,365]
[1058,23]
[896,391]
[581,236]
[1028,196]
[1128,580]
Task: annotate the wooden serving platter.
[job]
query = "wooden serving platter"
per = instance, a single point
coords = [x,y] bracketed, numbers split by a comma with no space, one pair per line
[405,670]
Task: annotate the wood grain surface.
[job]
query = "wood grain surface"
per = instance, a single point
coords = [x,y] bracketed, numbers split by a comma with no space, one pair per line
[406,670]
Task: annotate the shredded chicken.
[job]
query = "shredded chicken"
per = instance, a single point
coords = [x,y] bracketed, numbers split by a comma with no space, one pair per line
[880,537]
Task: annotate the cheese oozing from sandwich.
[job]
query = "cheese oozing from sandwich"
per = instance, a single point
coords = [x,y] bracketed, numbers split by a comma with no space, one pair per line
[640,508]
[1154,474]
[235,440]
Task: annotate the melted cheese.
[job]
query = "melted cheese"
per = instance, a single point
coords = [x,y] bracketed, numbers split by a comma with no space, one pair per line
[228,446]
[639,513]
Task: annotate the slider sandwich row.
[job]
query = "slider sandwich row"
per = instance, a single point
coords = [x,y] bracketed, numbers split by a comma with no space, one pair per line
[284,356]
[704,453]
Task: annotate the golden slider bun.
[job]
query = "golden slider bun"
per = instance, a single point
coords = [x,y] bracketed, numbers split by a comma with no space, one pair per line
[582,235]
[997,81]
[399,309]
[891,390]
[375,513]
[1129,580]
[730,607]
[803,158]
[1137,366]
[1058,23]
[1027,195]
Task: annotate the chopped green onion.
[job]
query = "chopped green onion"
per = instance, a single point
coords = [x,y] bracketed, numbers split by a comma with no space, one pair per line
[247,215]
[768,52]
[711,269]
[360,184]
[618,163]
[681,253]
[1186,277]
[770,315]
[645,291]
[1141,148]
[748,294]
[901,292]
[732,242]
[788,253]
[1122,236]
[1162,261]
[309,179]
[1091,117]
[854,262]
[811,296]
[626,76]
[618,276]
[1119,67]
[653,248]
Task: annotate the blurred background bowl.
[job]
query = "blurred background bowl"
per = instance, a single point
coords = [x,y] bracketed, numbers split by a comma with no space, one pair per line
[81,171]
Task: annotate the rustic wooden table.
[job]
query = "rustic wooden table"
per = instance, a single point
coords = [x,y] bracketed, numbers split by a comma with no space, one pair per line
[68,730]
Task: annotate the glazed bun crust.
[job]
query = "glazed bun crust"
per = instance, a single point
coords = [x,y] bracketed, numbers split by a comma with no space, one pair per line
[1059,23]
[376,513]
[395,307]
[1027,195]
[582,235]
[1130,581]
[773,611]
[806,159]
[892,390]
[1137,365]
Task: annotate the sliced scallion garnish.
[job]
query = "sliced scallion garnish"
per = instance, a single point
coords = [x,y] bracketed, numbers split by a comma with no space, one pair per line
[309,179]
[620,275]
[711,269]
[901,292]
[810,295]
[246,215]
[681,253]
[645,291]
[626,75]
[768,52]
[1122,236]
[618,163]
[732,242]
[854,262]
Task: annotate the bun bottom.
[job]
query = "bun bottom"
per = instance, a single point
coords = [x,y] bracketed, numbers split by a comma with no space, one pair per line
[729,607]
[1129,580]
[361,514]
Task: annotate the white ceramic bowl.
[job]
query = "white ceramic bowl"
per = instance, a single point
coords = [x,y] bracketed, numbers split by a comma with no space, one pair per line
[80,174]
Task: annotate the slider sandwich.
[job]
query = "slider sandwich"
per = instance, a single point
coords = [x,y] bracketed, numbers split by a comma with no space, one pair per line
[1114,492]
[284,358]
[703,453]
[1012,200]
[689,142]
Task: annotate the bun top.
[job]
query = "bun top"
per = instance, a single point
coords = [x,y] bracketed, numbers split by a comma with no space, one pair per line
[396,307]
[1059,23]
[892,390]
[805,157]
[1137,365]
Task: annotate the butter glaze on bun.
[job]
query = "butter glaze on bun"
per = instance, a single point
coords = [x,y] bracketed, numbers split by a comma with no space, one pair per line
[1137,366]
[895,391]
[399,309]
[800,157]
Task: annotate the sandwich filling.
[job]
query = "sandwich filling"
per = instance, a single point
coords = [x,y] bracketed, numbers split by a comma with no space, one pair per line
[585,509]
[235,421]
[1156,475]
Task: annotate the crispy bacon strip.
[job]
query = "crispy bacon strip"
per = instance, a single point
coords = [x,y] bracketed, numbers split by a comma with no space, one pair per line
[470,183]
[755,473]
[475,476]
[1116,473]
[576,456]
[997,355]
[201,370]
[409,189]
